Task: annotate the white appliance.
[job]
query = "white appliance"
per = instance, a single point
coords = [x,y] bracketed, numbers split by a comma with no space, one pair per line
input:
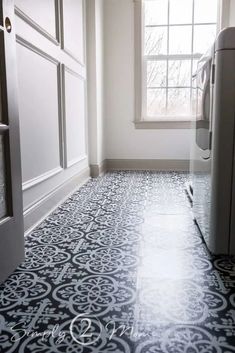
[212,165]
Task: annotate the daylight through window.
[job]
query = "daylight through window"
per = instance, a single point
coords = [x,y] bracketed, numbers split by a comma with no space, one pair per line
[176,33]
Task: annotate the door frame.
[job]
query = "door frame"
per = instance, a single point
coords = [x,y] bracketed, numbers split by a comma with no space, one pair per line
[11,226]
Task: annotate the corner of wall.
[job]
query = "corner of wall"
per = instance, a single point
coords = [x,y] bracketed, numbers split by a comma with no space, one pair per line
[98,169]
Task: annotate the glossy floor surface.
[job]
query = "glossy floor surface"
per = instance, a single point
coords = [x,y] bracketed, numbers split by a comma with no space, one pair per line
[120,267]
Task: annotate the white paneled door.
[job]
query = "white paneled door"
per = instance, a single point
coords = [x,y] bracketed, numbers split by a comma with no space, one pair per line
[11,214]
[51,63]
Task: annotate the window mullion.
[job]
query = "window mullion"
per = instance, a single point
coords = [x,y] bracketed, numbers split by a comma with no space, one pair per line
[182,24]
[167,62]
[192,46]
[172,57]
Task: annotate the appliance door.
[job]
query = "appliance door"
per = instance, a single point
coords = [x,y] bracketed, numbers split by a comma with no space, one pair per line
[203,109]
[222,239]
[202,147]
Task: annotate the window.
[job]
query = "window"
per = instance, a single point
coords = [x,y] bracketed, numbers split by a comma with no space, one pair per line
[173,35]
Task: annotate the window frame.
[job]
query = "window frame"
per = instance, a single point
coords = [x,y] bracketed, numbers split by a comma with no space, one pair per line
[141,121]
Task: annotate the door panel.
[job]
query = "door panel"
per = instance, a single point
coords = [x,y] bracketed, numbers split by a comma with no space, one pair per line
[42,15]
[45,105]
[11,214]
[39,116]
[73,12]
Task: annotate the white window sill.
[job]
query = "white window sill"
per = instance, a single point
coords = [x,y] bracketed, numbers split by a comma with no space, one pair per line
[163,124]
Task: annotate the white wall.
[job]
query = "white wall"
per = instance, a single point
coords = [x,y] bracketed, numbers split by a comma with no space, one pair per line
[122,140]
[232,13]
[52,95]
[100,76]
[95,62]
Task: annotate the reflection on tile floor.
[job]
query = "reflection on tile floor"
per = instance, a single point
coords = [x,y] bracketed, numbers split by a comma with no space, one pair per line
[120,267]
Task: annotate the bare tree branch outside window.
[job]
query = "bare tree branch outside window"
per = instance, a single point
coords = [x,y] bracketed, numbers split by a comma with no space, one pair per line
[177,33]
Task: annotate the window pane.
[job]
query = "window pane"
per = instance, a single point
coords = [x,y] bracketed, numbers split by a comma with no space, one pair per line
[156,12]
[2,181]
[194,81]
[178,102]
[179,73]
[205,11]
[180,39]
[156,41]
[169,97]
[181,11]
[195,62]
[204,37]
[156,74]
[156,102]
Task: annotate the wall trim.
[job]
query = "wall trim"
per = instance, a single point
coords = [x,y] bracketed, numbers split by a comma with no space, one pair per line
[76,160]
[61,101]
[138,64]
[36,213]
[177,124]
[40,178]
[98,169]
[35,49]
[21,14]
[64,69]
[63,46]
[139,164]
[74,73]
[148,164]
[63,115]
[69,53]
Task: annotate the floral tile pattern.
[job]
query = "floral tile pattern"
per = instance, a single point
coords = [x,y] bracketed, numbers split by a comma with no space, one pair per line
[120,267]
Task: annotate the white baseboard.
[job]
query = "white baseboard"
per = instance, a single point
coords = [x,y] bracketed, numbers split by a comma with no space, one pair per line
[98,169]
[148,164]
[139,164]
[43,207]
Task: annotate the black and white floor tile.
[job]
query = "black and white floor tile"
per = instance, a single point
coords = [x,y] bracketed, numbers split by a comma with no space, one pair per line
[120,268]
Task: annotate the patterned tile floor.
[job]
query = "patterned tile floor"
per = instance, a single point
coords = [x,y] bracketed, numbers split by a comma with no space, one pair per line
[120,267]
